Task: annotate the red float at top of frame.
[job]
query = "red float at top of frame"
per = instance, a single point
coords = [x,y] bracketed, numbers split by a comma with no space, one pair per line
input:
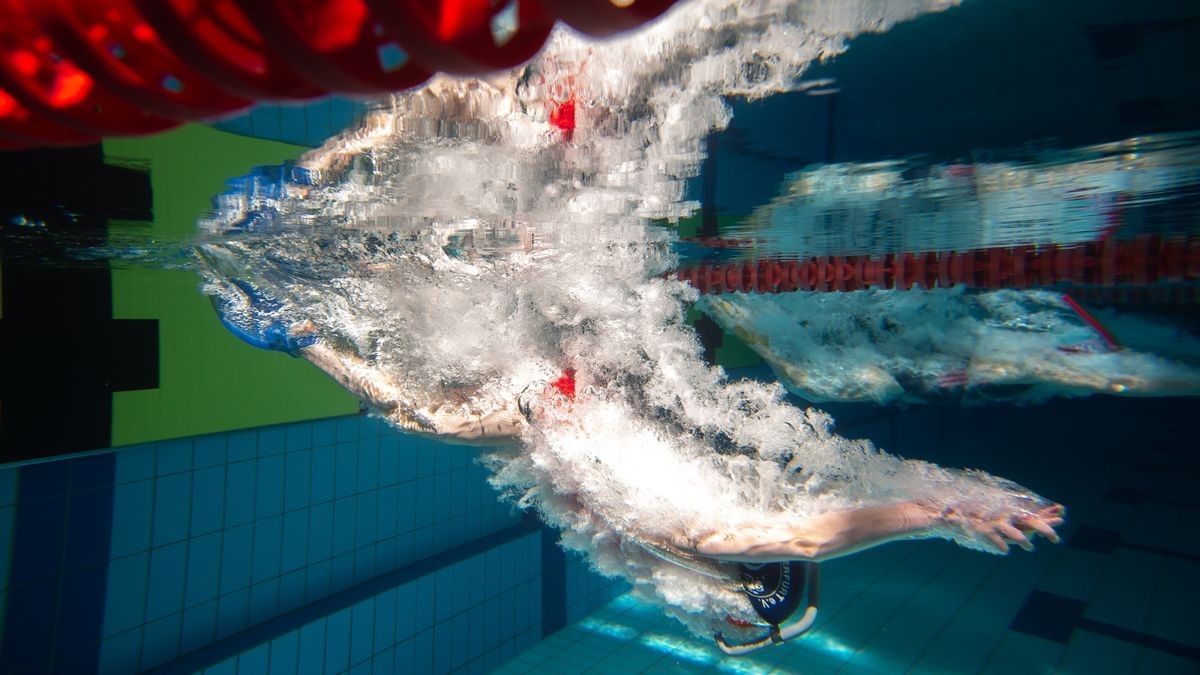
[74,71]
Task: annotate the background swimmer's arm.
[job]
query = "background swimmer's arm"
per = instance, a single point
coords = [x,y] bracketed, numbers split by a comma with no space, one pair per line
[840,533]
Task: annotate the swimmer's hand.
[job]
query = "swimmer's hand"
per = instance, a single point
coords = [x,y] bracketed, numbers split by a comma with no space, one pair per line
[257,319]
[996,533]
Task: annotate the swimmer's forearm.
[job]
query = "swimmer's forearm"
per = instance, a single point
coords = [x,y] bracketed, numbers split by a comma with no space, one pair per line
[354,374]
[824,537]
[465,425]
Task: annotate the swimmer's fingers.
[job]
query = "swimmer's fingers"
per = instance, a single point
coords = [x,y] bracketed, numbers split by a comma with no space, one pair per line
[996,539]
[1042,527]
[1016,536]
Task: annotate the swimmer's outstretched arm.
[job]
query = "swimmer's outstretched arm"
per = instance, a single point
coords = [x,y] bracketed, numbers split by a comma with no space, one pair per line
[475,421]
[836,534]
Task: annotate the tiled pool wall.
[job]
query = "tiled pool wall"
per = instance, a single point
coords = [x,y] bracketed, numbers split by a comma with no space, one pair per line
[311,547]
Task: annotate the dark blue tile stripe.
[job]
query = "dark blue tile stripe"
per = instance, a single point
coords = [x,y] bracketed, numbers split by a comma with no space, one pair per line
[1054,617]
[61,531]
[284,623]
[1142,639]
[554,583]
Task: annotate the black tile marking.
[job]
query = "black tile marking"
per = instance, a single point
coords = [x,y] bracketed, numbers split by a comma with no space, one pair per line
[554,584]
[1142,639]
[1048,616]
[1055,618]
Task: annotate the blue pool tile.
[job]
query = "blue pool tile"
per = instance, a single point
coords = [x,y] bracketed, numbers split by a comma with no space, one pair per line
[296,480]
[294,552]
[271,441]
[42,480]
[366,520]
[135,463]
[8,486]
[174,457]
[345,481]
[232,612]
[199,626]
[160,641]
[389,462]
[283,653]
[241,446]
[460,594]
[396,445]
[312,649]
[264,600]
[337,641]
[299,436]
[368,463]
[426,458]
[92,471]
[29,630]
[322,474]
[226,667]
[208,500]
[423,652]
[387,516]
[82,660]
[236,547]
[172,508]
[80,608]
[363,668]
[385,619]
[120,653]
[444,585]
[385,555]
[458,490]
[324,432]
[341,572]
[126,593]
[254,661]
[166,582]
[317,580]
[406,611]
[443,646]
[364,564]
[6,525]
[384,662]
[425,603]
[347,429]
[424,508]
[240,481]
[362,631]
[405,661]
[203,568]
[89,529]
[406,507]
[37,539]
[344,525]
[208,451]
[268,534]
[320,532]
[133,507]
[291,590]
[269,495]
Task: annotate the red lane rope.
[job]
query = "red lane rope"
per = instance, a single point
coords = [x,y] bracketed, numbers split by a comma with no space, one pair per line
[72,71]
[1141,261]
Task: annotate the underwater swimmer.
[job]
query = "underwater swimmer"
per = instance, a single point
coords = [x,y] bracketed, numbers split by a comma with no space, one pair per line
[498,415]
